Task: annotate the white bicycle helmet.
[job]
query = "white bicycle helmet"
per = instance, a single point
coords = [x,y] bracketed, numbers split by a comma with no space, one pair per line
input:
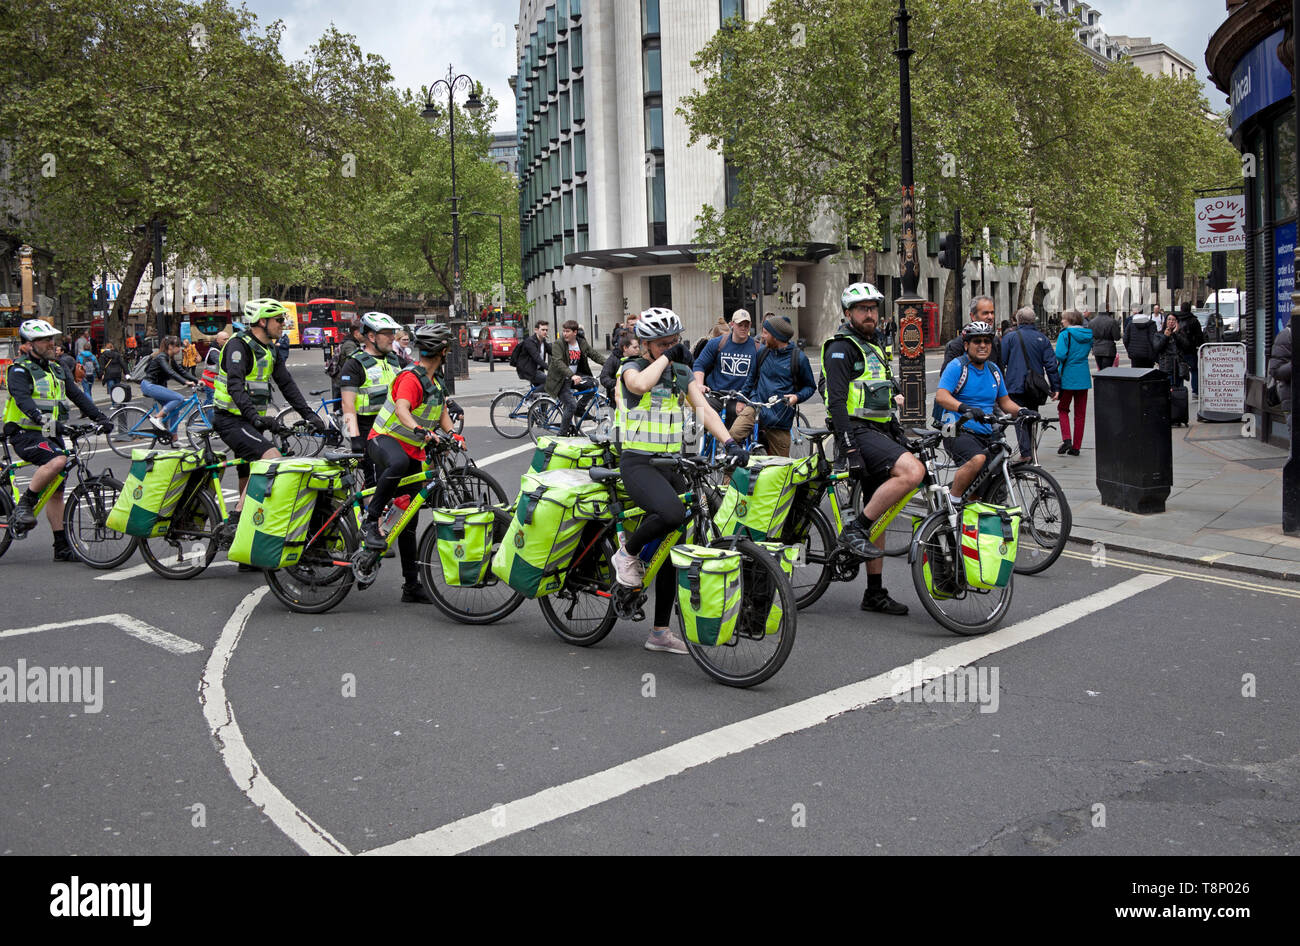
[860,292]
[976,330]
[33,329]
[658,322]
[379,322]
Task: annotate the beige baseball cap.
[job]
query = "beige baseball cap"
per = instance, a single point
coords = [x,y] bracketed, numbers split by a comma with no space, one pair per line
[741,315]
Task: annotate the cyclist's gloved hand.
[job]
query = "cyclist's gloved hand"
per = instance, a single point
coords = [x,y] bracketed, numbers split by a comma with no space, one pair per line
[358,444]
[60,429]
[856,461]
[106,426]
[679,354]
[317,422]
[460,441]
[736,452]
[976,414]
[264,423]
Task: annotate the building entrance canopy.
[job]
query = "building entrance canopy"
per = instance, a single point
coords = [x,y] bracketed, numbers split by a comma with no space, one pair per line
[631,256]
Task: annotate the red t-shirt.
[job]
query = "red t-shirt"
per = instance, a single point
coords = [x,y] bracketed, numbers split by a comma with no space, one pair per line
[407,387]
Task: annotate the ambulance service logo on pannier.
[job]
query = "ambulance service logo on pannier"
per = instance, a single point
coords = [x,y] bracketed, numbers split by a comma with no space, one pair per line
[137,492]
[519,540]
[259,517]
[741,507]
[459,551]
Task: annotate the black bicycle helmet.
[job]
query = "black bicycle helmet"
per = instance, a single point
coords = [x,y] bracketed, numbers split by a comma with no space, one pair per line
[431,339]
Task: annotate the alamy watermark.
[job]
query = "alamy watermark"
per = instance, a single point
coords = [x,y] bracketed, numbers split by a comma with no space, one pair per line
[24,684]
[918,683]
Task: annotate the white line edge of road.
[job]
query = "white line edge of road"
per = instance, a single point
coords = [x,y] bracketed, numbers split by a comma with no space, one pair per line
[243,768]
[124,622]
[248,776]
[550,804]
[143,569]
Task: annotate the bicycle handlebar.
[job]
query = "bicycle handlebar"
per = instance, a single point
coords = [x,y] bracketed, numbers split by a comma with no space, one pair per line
[1002,421]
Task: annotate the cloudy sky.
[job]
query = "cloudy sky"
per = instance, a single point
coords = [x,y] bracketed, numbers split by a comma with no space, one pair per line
[420,39]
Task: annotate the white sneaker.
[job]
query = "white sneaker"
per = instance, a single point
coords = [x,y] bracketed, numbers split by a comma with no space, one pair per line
[628,569]
[157,423]
[668,642]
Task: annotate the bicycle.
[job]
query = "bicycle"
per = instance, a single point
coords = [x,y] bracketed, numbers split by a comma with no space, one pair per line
[509,411]
[85,510]
[1046,518]
[334,559]
[585,608]
[934,556]
[545,414]
[304,439]
[133,431]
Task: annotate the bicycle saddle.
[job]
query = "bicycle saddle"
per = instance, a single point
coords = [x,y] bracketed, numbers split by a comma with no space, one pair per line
[815,433]
[342,456]
[318,393]
[604,475]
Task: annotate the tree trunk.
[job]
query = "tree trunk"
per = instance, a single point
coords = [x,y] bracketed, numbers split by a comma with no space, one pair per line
[115,324]
[1024,280]
[870,267]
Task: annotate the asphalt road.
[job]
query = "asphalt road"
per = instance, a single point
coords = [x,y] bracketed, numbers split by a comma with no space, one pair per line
[1138,707]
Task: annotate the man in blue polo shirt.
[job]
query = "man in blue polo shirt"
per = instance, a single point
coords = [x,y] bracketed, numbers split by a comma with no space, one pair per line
[977,395]
[726,363]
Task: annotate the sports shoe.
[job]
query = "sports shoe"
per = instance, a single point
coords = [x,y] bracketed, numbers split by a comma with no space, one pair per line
[1073,451]
[158,424]
[371,536]
[854,540]
[244,567]
[668,642]
[880,602]
[23,518]
[414,593]
[1062,448]
[225,534]
[629,570]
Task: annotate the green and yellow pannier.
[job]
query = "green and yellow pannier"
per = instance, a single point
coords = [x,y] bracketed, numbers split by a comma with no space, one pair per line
[567,453]
[758,498]
[989,535]
[153,487]
[465,538]
[273,527]
[543,536]
[709,592]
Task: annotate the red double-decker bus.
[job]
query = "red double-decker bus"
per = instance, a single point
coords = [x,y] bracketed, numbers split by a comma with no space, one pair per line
[331,317]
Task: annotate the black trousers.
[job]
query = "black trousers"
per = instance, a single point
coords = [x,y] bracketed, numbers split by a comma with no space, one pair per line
[391,466]
[657,492]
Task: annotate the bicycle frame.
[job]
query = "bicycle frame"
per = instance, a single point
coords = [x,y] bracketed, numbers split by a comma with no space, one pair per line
[11,465]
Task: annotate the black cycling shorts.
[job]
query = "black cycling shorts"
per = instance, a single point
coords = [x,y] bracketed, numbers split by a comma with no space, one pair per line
[967,445]
[879,450]
[244,440]
[34,447]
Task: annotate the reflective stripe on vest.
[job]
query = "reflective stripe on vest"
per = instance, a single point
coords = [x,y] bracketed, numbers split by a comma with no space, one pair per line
[380,374]
[257,382]
[47,395]
[653,424]
[873,367]
[426,414]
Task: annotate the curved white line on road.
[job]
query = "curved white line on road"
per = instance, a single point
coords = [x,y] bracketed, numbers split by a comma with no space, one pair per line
[243,768]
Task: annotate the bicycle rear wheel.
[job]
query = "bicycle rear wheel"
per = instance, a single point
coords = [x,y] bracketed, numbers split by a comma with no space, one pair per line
[6,510]
[960,609]
[800,446]
[582,612]
[131,431]
[84,523]
[189,544]
[812,579]
[473,487]
[322,577]
[1046,520]
[752,655]
[509,415]
[544,418]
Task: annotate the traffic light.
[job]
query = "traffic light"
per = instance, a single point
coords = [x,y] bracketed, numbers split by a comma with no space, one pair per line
[950,246]
[558,297]
[1174,267]
[1219,269]
[769,277]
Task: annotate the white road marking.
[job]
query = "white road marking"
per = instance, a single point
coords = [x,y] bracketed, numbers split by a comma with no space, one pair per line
[243,768]
[507,453]
[133,626]
[551,804]
[135,571]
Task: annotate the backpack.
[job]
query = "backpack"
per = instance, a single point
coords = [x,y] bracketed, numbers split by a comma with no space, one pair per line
[936,413]
[515,353]
[141,366]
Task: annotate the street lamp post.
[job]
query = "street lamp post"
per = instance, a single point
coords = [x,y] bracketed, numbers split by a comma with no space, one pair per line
[431,114]
[911,359]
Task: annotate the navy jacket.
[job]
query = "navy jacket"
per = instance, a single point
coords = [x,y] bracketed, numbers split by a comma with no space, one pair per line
[774,377]
[1041,357]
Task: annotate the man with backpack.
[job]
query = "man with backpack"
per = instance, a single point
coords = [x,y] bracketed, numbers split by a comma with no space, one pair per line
[1105,334]
[726,363]
[532,355]
[1027,356]
[89,367]
[1144,338]
[973,385]
[780,369]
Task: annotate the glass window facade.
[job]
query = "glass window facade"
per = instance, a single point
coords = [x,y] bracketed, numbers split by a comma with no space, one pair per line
[730,8]
[652,74]
[649,17]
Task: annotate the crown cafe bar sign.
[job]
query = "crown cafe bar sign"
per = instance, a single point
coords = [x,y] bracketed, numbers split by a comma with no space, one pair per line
[1220,223]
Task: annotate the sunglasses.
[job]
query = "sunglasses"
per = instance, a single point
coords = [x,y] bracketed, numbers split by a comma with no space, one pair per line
[981,340]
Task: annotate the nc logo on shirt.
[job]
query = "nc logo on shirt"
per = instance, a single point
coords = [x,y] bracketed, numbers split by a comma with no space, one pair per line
[734,364]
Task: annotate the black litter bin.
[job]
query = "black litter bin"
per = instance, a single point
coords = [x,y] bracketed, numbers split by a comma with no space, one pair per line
[1135,452]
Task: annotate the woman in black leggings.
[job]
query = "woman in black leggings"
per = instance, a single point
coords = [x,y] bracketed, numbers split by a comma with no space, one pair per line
[650,398]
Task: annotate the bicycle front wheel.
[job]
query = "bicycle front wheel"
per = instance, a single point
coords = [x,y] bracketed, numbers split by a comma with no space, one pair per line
[322,576]
[198,424]
[84,523]
[509,415]
[800,446]
[759,646]
[468,604]
[473,487]
[1046,518]
[935,564]
[811,581]
[189,544]
[131,431]
[582,612]
[303,439]
[6,510]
